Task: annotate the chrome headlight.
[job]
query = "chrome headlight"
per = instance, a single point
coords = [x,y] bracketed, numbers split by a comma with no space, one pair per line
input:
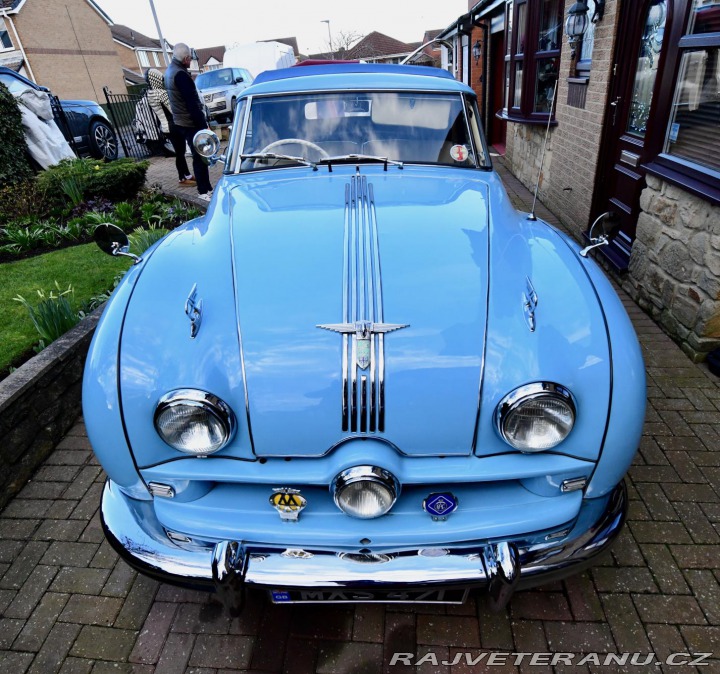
[536,417]
[365,491]
[194,422]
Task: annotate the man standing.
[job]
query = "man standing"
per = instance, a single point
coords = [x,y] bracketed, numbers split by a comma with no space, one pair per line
[188,111]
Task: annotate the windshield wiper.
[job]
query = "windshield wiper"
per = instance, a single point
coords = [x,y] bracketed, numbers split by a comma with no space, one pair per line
[358,158]
[273,155]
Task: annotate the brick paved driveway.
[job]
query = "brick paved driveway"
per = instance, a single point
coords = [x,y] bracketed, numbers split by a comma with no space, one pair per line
[69,605]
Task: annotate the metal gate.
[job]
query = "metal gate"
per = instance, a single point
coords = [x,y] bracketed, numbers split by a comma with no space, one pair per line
[63,124]
[134,123]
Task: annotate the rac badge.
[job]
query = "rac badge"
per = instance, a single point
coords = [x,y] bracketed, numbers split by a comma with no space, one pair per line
[288,502]
[440,505]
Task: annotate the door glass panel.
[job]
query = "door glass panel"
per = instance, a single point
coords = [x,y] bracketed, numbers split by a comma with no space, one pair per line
[704,17]
[647,67]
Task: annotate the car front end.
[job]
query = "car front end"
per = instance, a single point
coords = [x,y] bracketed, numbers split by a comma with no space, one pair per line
[362,375]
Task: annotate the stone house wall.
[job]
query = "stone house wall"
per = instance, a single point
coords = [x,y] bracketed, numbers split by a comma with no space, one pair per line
[675,265]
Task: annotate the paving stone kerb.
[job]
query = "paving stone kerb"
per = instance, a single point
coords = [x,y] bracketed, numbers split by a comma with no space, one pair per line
[68,604]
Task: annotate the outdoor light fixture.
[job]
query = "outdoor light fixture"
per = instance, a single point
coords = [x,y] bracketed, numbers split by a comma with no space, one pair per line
[476,51]
[576,23]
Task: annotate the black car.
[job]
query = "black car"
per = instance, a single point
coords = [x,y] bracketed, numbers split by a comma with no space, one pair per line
[83,123]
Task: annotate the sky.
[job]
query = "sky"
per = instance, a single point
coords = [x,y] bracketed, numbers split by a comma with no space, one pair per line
[207,23]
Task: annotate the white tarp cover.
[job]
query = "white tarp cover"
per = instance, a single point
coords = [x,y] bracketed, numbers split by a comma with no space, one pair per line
[45,141]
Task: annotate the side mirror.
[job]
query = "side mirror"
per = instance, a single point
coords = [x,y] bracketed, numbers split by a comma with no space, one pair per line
[608,230]
[113,241]
[239,79]
[207,145]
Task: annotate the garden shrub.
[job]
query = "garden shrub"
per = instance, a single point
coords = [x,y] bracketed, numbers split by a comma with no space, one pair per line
[20,201]
[119,180]
[14,164]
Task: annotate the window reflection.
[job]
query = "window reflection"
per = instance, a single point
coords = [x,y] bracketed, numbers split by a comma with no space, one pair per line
[694,130]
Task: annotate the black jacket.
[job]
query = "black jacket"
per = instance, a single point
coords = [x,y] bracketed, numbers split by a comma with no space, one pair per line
[187,108]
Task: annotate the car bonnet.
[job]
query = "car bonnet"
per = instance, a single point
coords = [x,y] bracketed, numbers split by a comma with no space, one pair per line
[373,282]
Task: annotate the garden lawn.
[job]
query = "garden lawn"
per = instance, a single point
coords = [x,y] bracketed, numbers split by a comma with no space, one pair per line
[86,268]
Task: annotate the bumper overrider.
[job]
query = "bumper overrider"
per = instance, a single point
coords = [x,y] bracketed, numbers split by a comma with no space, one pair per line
[228,567]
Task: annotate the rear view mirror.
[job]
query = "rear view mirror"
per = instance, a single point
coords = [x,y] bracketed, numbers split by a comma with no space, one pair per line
[113,241]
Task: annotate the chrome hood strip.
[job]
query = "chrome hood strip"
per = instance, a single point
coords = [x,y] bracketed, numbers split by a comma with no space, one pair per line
[363,329]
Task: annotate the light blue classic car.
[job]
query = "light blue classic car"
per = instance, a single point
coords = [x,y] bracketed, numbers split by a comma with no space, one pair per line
[362,375]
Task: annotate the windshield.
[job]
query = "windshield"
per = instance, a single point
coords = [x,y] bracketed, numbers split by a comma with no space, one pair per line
[215,78]
[407,127]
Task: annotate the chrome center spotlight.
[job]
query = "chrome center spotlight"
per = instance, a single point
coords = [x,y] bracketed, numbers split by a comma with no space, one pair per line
[365,492]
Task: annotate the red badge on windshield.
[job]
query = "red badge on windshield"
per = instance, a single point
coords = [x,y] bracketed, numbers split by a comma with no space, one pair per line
[459,152]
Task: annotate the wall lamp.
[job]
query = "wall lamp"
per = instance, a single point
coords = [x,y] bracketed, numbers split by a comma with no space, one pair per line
[577,19]
[477,51]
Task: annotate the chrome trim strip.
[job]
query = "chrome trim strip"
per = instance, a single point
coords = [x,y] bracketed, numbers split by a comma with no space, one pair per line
[381,383]
[363,404]
[134,531]
[239,332]
[345,383]
[373,391]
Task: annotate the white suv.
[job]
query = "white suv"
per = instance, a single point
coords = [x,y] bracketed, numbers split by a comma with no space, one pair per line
[220,90]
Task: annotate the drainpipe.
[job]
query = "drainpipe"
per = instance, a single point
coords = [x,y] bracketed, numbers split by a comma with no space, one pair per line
[5,15]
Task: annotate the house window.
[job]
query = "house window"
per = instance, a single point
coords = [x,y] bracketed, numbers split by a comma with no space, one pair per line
[143,58]
[684,134]
[693,133]
[5,41]
[532,61]
[156,59]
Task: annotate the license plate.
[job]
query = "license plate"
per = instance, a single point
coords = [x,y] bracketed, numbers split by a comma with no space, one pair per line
[340,596]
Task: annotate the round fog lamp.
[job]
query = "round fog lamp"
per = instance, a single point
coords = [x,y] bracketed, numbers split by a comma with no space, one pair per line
[365,492]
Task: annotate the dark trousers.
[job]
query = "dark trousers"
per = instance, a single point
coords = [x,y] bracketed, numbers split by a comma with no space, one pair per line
[202,175]
[178,142]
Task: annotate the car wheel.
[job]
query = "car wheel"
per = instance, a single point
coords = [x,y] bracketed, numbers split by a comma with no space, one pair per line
[233,106]
[103,140]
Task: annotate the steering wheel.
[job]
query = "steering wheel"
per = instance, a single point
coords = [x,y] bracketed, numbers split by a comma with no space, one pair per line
[295,141]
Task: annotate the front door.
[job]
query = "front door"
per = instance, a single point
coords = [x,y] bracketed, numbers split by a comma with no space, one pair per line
[637,71]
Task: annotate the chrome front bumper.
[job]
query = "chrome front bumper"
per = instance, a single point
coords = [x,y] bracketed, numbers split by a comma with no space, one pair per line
[228,567]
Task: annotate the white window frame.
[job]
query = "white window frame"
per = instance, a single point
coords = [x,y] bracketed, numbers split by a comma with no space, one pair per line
[143,58]
[4,28]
